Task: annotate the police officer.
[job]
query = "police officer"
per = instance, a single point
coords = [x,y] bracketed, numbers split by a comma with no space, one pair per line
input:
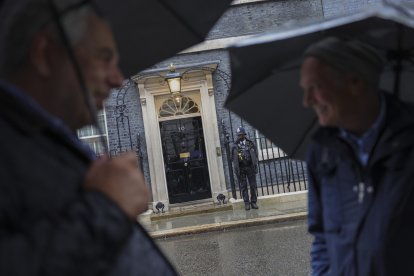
[245,166]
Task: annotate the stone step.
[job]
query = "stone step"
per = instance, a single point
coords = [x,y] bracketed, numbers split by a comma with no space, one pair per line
[191,209]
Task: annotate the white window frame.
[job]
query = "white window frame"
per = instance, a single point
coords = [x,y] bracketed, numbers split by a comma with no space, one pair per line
[272,152]
[97,136]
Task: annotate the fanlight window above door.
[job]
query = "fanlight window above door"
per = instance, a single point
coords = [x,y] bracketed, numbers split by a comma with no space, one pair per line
[174,108]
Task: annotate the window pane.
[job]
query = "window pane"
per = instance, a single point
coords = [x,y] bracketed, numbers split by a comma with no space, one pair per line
[172,108]
[266,148]
[91,136]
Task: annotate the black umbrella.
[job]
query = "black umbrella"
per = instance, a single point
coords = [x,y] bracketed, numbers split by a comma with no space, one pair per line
[265,71]
[147,31]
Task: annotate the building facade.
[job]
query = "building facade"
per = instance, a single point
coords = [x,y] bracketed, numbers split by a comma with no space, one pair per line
[184,143]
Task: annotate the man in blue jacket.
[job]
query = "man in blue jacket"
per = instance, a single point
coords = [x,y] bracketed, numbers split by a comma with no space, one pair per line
[360,184]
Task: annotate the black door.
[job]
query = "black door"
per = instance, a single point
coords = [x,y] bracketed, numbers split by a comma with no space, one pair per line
[185,159]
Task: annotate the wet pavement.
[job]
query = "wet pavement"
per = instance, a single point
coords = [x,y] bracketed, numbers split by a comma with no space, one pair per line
[224,219]
[280,248]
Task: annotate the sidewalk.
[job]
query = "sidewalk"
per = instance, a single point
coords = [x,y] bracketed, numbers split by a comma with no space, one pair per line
[276,208]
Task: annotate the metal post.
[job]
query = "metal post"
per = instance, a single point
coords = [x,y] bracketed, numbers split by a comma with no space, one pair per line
[139,152]
[229,163]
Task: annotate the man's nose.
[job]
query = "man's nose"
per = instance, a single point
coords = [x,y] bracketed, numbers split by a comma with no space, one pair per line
[115,77]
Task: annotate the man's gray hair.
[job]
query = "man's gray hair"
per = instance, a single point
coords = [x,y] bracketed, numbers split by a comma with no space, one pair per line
[32,16]
[348,56]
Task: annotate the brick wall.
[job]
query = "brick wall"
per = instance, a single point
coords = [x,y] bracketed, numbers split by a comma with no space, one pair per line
[262,16]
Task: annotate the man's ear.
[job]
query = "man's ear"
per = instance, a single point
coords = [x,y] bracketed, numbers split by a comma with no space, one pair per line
[356,84]
[40,51]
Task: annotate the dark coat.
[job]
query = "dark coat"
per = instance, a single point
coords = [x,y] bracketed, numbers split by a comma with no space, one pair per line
[251,148]
[353,237]
[49,225]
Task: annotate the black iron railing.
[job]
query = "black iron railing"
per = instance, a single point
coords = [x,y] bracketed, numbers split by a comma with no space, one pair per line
[277,173]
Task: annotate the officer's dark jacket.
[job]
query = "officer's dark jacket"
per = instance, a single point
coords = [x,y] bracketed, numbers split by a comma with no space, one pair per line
[48,224]
[354,235]
[250,148]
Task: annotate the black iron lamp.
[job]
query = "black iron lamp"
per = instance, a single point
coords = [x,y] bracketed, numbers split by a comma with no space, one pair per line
[174,83]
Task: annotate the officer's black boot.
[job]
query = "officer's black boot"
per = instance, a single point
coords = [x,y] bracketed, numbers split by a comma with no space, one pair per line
[247,206]
[254,205]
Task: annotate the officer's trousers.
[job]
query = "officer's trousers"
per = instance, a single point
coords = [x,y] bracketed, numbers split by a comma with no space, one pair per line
[248,173]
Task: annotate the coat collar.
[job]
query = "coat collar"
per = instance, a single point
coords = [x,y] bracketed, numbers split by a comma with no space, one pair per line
[393,136]
[20,113]
[28,120]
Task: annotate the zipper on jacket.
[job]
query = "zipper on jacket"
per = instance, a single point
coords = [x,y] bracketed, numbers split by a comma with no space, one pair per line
[361,186]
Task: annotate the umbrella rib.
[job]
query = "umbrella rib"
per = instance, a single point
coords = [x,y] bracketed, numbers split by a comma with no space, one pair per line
[260,79]
[399,8]
[76,67]
[302,139]
[77,6]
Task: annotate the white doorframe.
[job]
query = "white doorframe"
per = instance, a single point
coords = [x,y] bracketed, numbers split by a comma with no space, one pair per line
[198,85]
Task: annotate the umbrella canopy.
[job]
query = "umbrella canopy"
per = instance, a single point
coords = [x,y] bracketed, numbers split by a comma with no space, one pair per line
[149,31]
[266,70]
